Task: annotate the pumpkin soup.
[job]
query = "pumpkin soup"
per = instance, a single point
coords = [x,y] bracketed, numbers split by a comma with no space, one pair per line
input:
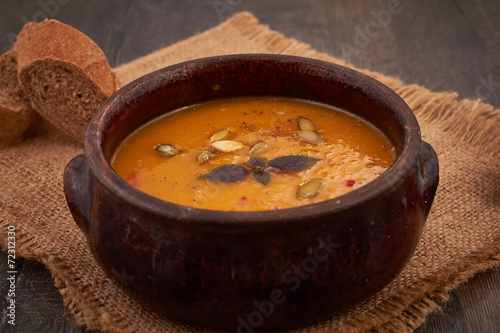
[250,154]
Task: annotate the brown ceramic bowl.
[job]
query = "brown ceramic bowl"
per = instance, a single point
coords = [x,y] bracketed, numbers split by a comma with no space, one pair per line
[249,271]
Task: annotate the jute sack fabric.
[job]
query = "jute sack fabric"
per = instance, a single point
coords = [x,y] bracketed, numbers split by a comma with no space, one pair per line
[461,236]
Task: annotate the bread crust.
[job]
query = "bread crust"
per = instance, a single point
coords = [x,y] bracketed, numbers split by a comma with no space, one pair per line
[52,45]
[16,114]
[14,123]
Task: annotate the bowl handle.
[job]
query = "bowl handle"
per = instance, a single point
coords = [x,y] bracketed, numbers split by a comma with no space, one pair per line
[429,173]
[76,189]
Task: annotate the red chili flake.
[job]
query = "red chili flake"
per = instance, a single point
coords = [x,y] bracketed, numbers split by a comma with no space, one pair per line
[278,128]
[244,198]
[133,180]
[276,208]
[350,183]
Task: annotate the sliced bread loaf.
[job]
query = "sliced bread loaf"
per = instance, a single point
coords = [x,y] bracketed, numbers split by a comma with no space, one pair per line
[16,114]
[65,74]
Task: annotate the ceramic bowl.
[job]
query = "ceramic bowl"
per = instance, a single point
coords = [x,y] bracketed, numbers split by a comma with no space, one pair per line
[249,271]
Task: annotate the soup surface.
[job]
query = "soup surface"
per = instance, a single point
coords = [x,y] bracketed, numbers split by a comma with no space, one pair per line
[248,154]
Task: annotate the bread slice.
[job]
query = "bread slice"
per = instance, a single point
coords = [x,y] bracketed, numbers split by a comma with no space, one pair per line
[65,74]
[16,114]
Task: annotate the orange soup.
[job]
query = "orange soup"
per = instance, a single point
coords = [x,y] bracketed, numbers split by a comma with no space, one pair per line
[249,154]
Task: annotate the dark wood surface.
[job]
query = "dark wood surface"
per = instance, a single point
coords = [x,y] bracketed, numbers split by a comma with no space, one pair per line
[443,45]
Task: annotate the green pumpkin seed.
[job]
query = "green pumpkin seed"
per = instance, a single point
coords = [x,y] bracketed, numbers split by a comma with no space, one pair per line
[205,155]
[227,145]
[167,150]
[310,189]
[220,135]
[259,148]
[310,136]
[305,124]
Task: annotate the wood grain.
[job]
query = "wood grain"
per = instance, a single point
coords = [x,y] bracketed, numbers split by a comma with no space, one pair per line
[444,45]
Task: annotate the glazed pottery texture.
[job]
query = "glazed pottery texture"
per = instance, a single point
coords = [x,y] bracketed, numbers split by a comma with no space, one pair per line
[249,271]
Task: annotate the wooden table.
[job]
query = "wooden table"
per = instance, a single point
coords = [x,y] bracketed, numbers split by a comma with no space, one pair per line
[444,45]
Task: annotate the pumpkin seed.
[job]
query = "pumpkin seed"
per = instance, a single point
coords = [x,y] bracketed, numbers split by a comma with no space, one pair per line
[220,135]
[310,189]
[310,136]
[205,155]
[227,145]
[305,124]
[259,148]
[167,150]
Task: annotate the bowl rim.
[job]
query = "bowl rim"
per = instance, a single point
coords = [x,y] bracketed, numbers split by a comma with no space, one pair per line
[102,170]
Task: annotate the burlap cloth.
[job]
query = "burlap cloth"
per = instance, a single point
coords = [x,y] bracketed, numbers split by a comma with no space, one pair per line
[461,237]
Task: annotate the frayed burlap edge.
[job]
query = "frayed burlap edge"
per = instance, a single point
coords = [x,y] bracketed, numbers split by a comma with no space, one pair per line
[471,122]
